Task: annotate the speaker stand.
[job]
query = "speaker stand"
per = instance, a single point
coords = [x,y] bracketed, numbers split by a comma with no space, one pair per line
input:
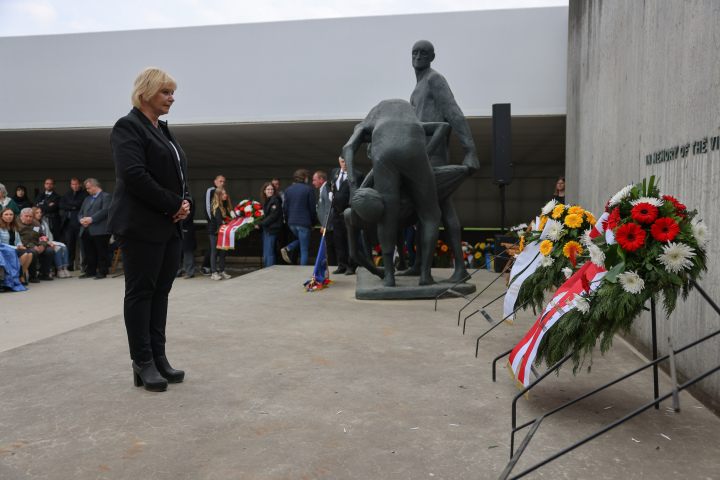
[502,209]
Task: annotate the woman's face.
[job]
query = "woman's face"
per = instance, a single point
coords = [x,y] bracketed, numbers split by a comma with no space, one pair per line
[561,185]
[223,196]
[269,191]
[20,192]
[161,102]
[8,216]
[38,215]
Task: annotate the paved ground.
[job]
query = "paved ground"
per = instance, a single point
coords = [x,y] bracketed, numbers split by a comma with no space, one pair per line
[283,384]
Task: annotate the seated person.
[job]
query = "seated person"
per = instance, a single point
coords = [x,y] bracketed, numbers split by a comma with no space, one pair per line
[61,259]
[10,237]
[32,237]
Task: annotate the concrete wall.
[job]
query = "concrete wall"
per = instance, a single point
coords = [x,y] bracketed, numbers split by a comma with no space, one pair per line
[645,77]
[287,71]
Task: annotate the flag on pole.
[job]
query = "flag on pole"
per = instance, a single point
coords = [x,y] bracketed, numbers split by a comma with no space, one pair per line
[321,273]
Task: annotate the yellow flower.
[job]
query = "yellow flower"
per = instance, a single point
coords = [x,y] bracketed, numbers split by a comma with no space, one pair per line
[575,210]
[572,248]
[478,255]
[558,211]
[546,247]
[543,221]
[590,218]
[444,248]
[522,243]
[573,220]
[481,246]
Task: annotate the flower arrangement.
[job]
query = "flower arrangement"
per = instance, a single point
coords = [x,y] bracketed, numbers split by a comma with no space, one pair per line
[561,250]
[652,243]
[443,257]
[252,213]
[468,254]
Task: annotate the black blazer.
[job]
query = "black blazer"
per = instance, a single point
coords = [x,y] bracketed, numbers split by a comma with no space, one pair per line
[149,188]
[341,197]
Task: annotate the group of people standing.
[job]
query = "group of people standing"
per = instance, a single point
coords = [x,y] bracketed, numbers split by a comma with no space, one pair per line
[45,236]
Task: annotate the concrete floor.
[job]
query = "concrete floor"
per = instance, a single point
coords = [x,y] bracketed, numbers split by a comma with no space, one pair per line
[283,384]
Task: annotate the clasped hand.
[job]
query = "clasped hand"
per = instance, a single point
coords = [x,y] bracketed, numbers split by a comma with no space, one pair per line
[183,212]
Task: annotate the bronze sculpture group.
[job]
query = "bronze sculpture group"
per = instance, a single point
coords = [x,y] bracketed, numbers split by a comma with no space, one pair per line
[411,176]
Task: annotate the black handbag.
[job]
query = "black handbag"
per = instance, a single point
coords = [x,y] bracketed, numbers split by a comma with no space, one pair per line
[3,273]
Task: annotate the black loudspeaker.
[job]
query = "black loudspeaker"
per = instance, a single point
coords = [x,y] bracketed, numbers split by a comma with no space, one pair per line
[501,144]
[501,259]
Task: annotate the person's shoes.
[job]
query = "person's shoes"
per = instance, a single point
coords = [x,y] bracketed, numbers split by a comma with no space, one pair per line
[100,276]
[64,274]
[190,276]
[146,374]
[167,372]
[225,276]
[86,275]
[34,280]
[23,281]
[215,276]
[350,271]
[178,274]
[205,271]
[284,253]
[46,278]
[339,271]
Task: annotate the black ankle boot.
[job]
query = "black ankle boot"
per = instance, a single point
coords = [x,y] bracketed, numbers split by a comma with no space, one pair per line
[168,373]
[146,373]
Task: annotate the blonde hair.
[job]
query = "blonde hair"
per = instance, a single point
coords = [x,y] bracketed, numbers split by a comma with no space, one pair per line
[150,81]
[217,202]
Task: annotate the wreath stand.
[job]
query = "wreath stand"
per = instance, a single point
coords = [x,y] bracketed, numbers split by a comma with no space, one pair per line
[656,402]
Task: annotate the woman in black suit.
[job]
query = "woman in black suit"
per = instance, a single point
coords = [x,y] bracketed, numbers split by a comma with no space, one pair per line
[149,200]
[272,224]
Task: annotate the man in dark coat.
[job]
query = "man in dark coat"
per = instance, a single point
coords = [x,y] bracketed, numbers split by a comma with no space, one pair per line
[49,203]
[70,204]
[299,209]
[341,200]
[93,218]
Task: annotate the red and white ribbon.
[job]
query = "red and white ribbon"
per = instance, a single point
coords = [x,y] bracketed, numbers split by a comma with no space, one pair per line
[226,233]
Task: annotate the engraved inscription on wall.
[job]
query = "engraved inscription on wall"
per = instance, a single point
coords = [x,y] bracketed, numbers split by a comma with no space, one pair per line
[681,151]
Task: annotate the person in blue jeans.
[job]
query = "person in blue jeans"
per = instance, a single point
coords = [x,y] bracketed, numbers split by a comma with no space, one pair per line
[300,214]
[272,224]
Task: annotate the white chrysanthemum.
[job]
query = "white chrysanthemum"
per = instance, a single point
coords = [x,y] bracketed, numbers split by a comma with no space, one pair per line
[597,256]
[657,202]
[620,195]
[232,214]
[248,208]
[554,230]
[567,271]
[546,261]
[581,303]
[549,207]
[676,257]
[701,233]
[631,282]
[585,238]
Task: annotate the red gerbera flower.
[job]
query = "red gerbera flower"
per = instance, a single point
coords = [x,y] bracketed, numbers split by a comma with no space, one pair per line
[679,207]
[665,229]
[585,282]
[630,237]
[378,249]
[248,214]
[257,206]
[644,213]
[258,213]
[614,219]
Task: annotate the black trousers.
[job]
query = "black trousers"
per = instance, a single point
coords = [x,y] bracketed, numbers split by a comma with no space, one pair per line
[96,253]
[150,270]
[340,236]
[72,236]
[45,260]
